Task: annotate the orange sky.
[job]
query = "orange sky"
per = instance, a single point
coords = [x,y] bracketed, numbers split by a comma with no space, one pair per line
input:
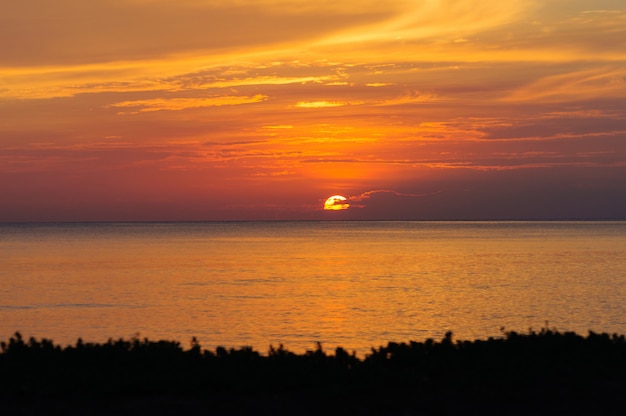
[261,109]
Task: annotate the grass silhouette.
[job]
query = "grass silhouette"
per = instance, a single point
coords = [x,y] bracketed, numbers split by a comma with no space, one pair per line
[538,372]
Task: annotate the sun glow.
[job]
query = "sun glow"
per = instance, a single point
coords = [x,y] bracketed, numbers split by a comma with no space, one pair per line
[336,203]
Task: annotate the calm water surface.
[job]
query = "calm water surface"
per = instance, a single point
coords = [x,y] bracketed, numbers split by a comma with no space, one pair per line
[353,284]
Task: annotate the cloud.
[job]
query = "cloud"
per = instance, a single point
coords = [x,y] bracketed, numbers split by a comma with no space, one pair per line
[600,82]
[167,75]
[384,193]
[279,127]
[177,104]
[412,97]
[320,104]
[433,19]
[264,80]
[73,32]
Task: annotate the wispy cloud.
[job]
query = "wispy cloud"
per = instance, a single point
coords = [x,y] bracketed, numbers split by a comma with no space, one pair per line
[369,194]
[412,97]
[359,201]
[425,20]
[322,104]
[586,84]
[177,104]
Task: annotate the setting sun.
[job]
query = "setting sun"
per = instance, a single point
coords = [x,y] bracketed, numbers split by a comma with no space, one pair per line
[336,203]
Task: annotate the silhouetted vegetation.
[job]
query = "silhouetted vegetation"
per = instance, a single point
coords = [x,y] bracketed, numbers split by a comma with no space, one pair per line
[536,372]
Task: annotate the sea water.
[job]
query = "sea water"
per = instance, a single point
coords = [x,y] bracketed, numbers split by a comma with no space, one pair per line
[352,284]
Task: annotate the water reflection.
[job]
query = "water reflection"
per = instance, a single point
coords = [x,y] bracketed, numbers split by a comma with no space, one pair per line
[352,284]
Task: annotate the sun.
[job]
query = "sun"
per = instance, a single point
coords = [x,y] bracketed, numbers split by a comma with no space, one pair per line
[336,203]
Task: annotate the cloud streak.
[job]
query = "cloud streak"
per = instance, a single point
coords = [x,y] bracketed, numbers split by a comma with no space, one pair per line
[361,200]
[179,104]
[587,84]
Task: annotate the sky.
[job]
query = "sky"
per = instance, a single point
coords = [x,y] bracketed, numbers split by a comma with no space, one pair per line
[168,110]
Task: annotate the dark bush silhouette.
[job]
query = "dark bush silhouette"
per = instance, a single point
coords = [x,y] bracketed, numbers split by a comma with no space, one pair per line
[536,372]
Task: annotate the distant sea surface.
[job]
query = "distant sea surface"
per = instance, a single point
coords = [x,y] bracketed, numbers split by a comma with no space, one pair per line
[351,284]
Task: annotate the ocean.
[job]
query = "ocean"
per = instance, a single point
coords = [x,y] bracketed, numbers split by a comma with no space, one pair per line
[355,284]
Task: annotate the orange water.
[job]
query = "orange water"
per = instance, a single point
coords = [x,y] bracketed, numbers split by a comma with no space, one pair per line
[350,284]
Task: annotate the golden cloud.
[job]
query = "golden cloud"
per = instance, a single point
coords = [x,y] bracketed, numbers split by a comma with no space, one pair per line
[319,104]
[177,104]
